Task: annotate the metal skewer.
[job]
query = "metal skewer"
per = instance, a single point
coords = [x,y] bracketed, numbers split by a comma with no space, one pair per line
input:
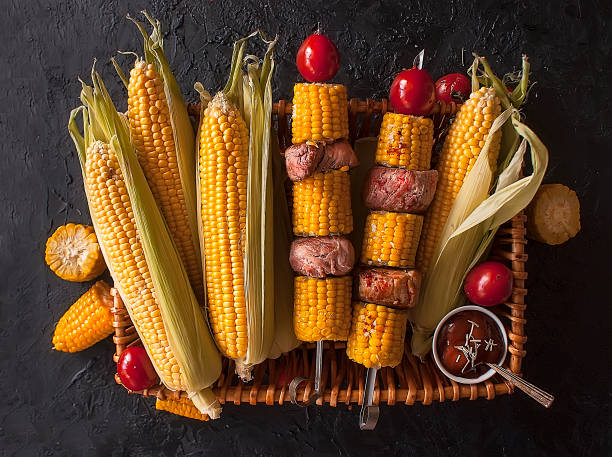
[368,416]
[539,395]
[295,382]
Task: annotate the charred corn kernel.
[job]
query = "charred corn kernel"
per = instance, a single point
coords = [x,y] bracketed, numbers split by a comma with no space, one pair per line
[153,138]
[377,335]
[320,112]
[224,155]
[181,407]
[553,216]
[322,308]
[322,205]
[405,141]
[462,146]
[391,239]
[87,321]
[73,253]
[111,208]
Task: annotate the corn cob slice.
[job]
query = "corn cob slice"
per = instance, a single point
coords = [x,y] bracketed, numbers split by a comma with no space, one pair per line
[462,146]
[322,205]
[405,141]
[86,322]
[377,335]
[181,407]
[154,140]
[320,112]
[224,155]
[391,239]
[73,253]
[322,308]
[553,216]
[139,251]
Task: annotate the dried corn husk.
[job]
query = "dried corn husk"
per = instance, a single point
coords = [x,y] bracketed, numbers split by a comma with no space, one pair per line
[188,334]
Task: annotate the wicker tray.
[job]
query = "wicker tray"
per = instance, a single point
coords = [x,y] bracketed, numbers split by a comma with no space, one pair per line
[343,380]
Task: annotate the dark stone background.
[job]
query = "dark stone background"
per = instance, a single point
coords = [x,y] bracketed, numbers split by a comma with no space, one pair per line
[55,404]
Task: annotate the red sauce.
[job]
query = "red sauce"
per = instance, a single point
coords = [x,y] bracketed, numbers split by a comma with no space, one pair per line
[467,341]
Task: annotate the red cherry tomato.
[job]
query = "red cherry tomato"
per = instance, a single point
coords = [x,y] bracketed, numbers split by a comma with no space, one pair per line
[318,59]
[488,284]
[412,92]
[455,87]
[136,370]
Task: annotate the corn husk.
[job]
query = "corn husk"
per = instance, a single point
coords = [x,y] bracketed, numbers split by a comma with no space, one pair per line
[251,92]
[183,133]
[188,334]
[475,216]
[284,336]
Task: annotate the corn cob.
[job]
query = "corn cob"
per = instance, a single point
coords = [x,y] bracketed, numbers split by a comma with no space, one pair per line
[117,229]
[154,139]
[322,308]
[181,407]
[463,144]
[391,239]
[320,112]
[377,335]
[73,253]
[322,205]
[223,186]
[86,322]
[140,253]
[405,141]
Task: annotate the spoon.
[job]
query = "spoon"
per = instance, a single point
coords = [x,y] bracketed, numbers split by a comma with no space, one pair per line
[539,395]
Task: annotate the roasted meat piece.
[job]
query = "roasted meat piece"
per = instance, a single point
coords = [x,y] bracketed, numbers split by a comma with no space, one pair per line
[321,256]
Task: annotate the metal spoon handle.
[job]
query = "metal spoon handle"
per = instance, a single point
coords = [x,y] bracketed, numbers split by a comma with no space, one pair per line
[539,395]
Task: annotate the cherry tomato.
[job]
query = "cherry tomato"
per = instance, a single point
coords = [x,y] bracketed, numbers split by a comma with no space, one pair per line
[412,92]
[136,370]
[455,87]
[488,284]
[318,59]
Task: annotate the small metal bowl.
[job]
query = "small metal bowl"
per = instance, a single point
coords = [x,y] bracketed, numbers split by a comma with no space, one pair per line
[434,345]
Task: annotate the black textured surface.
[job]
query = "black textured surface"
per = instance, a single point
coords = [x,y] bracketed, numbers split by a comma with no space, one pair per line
[54,404]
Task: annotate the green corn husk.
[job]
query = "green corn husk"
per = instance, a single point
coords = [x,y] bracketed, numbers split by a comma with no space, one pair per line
[188,335]
[284,336]
[183,133]
[251,92]
[476,215]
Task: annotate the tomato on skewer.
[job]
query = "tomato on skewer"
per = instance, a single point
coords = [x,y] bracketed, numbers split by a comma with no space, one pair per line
[318,59]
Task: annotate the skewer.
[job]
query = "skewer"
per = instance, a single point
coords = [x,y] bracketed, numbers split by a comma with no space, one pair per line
[318,391]
[368,416]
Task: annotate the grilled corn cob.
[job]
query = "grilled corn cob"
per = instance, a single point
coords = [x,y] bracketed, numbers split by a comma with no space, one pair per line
[322,308]
[377,335]
[391,239]
[463,144]
[181,407]
[322,205]
[405,141]
[154,139]
[320,112]
[223,186]
[86,322]
[73,253]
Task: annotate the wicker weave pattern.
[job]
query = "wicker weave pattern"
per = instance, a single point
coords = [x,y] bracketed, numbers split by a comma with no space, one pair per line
[411,381]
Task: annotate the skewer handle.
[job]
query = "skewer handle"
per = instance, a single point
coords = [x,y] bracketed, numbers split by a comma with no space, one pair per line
[295,382]
[368,416]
